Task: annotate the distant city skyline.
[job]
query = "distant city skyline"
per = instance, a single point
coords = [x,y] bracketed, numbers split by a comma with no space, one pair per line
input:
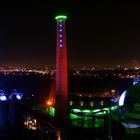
[102,34]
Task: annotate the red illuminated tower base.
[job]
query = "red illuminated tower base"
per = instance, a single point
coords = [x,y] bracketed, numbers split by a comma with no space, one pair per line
[61,103]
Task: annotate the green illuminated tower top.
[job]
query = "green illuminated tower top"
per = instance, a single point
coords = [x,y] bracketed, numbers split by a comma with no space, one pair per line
[60,17]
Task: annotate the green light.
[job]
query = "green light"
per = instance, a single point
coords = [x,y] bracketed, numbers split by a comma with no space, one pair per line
[60,17]
[96,110]
[76,110]
[87,123]
[86,111]
[98,123]
[73,116]
[52,111]
[102,111]
[85,119]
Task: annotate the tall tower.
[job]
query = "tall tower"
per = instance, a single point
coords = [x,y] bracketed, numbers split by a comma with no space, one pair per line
[61,104]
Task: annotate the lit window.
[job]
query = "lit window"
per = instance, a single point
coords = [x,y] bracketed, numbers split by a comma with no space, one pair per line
[60,30]
[60,20]
[60,35]
[81,103]
[71,103]
[102,102]
[91,104]
[60,40]
[113,91]
[60,25]
[60,45]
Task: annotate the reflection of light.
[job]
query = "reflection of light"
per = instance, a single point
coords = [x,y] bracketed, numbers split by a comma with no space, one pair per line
[121,100]
[58,135]
[130,125]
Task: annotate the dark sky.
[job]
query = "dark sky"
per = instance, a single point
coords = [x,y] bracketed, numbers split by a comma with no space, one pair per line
[100,34]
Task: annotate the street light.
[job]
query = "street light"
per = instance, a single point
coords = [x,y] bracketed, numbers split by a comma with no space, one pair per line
[15,95]
[2,96]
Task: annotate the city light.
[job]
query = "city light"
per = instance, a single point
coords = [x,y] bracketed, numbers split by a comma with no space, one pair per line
[91,104]
[121,100]
[15,95]
[81,103]
[49,103]
[18,97]
[3,98]
[31,123]
[71,103]
[102,111]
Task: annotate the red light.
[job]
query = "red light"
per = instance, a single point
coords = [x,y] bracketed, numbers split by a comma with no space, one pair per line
[49,103]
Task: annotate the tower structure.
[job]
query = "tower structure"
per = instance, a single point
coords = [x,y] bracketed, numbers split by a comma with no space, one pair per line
[61,103]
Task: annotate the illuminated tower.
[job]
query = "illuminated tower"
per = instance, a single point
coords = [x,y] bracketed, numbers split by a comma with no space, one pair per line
[61,105]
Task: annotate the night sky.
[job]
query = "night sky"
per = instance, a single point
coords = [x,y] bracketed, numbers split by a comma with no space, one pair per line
[100,34]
